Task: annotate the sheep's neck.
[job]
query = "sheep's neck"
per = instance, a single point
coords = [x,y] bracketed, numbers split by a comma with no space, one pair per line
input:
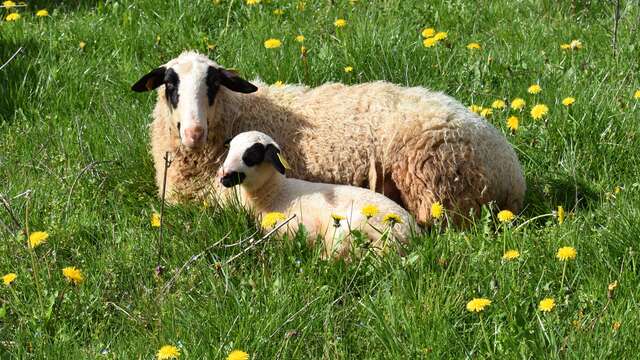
[263,197]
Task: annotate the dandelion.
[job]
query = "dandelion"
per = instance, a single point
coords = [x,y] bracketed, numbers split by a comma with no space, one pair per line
[8,4]
[303,50]
[473,46]
[560,214]
[475,108]
[612,286]
[82,45]
[440,35]
[13,17]
[616,325]
[539,111]
[511,255]
[42,13]
[369,211]
[429,42]
[36,238]
[253,2]
[348,69]
[575,44]
[486,112]
[73,275]
[498,104]
[636,95]
[513,123]
[518,104]
[272,43]
[238,355]
[169,351]
[300,38]
[534,89]
[478,304]
[506,216]
[278,12]
[9,278]
[568,101]
[155,219]
[428,32]
[211,46]
[339,23]
[278,84]
[565,46]
[392,219]
[271,219]
[546,305]
[566,253]
[436,210]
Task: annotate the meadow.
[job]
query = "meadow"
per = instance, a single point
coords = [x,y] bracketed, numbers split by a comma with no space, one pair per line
[75,163]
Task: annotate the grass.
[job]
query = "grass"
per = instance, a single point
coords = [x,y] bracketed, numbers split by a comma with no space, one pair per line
[74,162]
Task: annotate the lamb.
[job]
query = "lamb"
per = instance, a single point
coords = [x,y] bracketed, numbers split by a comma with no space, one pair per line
[415,146]
[255,162]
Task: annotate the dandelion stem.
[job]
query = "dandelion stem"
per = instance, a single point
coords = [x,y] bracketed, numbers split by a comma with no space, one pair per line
[484,333]
[34,263]
[167,163]
[564,267]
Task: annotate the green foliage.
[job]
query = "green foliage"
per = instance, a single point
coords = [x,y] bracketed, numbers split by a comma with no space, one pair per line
[75,138]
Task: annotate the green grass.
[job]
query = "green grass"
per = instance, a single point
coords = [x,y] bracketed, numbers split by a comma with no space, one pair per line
[75,137]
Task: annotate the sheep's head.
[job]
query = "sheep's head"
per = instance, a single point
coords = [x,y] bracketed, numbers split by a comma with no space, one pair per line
[190,83]
[252,159]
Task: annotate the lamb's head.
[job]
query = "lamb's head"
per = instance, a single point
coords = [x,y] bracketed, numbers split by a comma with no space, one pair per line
[253,158]
[190,83]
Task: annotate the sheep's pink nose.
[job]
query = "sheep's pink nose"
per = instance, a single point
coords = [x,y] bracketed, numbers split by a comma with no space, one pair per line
[193,135]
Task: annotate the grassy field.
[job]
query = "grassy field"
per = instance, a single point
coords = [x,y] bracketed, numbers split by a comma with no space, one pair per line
[74,162]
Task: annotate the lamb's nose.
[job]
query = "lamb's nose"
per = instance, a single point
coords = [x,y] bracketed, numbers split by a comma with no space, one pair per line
[194,134]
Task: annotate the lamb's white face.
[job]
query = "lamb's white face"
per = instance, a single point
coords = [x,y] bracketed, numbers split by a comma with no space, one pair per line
[190,84]
[252,158]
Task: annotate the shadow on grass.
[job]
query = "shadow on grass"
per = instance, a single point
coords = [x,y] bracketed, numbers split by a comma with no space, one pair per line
[17,75]
[547,193]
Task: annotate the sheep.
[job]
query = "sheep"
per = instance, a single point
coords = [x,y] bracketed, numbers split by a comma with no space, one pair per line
[255,163]
[416,146]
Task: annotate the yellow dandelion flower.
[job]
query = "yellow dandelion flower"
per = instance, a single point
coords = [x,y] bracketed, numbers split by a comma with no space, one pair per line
[534,89]
[253,2]
[168,352]
[560,214]
[82,45]
[518,104]
[9,278]
[303,50]
[73,275]
[511,255]
[42,13]
[636,95]
[498,104]
[428,32]
[271,219]
[440,35]
[211,46]
[278,84]
[238,355]
[546,304]
[478,304]
[566,253]
[575,44]
[513,123]
[392,219]
[568,101]
[36,238]
[613,285]
[300,38]
[272,43]
[539,111]
[155,219]
[339,23]
[616,325]
[8,4]
[301,5]
[565,46]
[486,112]
[369,210]
[13,17]
[429,42]
[437,210]
[506,216]
[348,69]
[473,46]
[278,12]
[475,108]
[337,217]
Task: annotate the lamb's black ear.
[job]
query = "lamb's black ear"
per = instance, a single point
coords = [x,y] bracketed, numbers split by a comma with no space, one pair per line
[254,155]
[150,81]
[271,155]
[232,81]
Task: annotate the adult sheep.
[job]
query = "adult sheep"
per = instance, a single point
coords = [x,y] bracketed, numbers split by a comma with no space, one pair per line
[415,146]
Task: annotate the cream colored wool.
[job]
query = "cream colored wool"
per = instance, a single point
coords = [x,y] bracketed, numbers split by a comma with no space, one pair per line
[266,190]
[414,145]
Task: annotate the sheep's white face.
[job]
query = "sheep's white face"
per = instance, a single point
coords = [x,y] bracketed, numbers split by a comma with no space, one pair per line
[190,84]
[251,160]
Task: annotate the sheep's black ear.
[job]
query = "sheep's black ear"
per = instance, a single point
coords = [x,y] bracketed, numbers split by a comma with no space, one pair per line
[232,81]
[150,81]
[271,155]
